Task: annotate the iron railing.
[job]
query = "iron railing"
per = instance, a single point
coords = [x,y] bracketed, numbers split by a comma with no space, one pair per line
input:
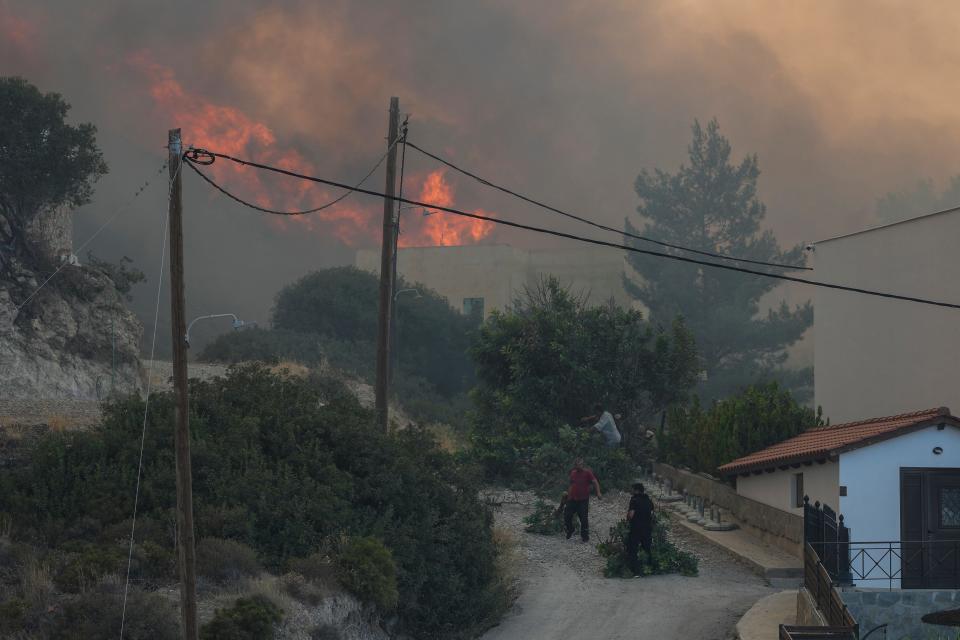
[926,564]
[794,632]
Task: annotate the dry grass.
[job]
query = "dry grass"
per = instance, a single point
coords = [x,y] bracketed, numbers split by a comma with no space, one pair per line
[58,423]
[508,560]
[289,367]
[448,438]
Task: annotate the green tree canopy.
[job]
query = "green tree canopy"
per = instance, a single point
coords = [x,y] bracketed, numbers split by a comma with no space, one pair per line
[431,338]
[544,364]
[711,204]
[45,163]
[757,417]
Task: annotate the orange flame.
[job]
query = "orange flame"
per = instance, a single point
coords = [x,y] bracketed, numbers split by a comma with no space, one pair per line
[436,228]
[17,32]
[230,131]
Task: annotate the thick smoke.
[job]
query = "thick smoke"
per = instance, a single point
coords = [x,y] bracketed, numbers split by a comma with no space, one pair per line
[564,100]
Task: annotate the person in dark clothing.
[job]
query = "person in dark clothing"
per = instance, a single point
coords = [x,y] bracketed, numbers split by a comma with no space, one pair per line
[578,499]
[640,518]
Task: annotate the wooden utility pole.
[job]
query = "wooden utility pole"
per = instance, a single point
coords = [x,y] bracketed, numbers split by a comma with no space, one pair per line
[185,543]
[388,248]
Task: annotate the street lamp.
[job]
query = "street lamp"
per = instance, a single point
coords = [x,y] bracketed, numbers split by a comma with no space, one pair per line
[237,323]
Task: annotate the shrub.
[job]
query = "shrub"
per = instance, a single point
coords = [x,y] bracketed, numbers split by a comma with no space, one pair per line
[760,415]
[76,570]
[366,569]
[13,614]
[315,568]
[299,466]
[667,558]
[545,520]
[96,615]
[226,561]
[248,619]
[299,588]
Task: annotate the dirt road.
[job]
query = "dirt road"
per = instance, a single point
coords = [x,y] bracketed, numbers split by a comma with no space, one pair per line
[563,593]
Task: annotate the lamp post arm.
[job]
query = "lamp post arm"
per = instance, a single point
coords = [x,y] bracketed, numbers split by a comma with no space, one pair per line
[237,322]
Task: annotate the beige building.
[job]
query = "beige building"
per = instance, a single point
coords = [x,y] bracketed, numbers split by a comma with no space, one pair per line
[483,278]
[876,356]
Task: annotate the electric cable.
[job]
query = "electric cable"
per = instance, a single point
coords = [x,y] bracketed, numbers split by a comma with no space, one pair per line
[146,402]
[199,157]
[560,234]
[598,225]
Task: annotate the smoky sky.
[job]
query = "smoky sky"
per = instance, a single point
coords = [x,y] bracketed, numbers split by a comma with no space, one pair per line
[564,100]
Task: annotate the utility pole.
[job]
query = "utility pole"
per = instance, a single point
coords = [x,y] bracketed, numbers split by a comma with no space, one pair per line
[387,251]
[185,542]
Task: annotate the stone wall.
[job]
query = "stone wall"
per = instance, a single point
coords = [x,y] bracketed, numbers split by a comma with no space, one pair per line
[902,610]
[768,523]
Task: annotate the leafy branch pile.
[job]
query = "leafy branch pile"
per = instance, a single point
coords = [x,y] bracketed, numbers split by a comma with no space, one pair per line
[667,557]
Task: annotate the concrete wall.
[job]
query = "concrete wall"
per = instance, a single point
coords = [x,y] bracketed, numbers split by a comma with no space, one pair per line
[772,525]
[807,613]
[902,611]
[871,507]
[875,356]
[820,482]
[498,273]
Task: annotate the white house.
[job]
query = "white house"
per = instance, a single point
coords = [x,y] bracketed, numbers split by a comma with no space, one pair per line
[896,481]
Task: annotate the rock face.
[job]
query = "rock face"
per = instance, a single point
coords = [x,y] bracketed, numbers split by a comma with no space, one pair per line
[74,339]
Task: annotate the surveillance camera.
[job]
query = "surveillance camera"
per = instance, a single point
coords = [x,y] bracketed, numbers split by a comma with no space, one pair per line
[809,247]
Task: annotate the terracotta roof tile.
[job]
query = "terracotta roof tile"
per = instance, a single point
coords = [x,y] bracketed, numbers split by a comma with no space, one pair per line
[822,441]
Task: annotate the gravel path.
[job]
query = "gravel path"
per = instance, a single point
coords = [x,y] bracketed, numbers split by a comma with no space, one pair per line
[563,593]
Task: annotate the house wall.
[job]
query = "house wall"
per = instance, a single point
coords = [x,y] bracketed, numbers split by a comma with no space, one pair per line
[875,356]
[820,482]
[871,508]
[499,273]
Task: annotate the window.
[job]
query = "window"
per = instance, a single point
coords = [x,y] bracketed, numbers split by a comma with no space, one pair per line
[949,507]
[796,484]
[473,307]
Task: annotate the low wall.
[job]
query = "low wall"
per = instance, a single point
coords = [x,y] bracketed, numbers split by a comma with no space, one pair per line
[770,524]
[901,610]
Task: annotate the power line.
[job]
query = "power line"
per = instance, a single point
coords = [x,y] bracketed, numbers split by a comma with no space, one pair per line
[146,407]
[598,225]
[245,203]
[96,233]
[559,234]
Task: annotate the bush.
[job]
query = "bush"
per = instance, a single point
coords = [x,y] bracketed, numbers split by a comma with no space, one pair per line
[297,466]
[13,614]
[667,558]
[759,416]
[226,561]
[248,619]
[366,569]
[76,570]
[546,520]
[316,568]
[96,615]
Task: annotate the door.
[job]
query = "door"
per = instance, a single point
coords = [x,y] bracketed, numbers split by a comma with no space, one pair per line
[943,529]
[930,528]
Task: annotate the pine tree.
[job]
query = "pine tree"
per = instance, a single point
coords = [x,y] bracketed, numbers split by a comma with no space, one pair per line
[712,205]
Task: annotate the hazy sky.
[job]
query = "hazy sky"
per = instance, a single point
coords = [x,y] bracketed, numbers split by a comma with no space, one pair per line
[568,101]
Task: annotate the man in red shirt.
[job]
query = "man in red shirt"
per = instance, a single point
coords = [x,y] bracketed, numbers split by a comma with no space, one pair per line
[578,498]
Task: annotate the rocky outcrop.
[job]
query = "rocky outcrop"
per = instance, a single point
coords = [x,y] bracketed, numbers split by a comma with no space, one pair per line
[74,339]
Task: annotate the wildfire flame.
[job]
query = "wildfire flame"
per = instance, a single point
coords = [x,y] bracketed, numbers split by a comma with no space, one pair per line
[436,228]
[228,130]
